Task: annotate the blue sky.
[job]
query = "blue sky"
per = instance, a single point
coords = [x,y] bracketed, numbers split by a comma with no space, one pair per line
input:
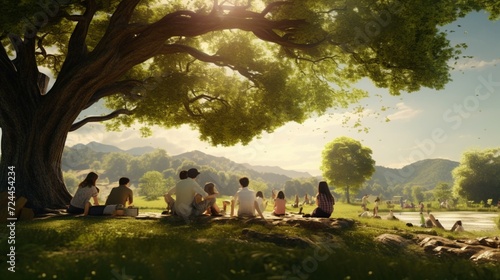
[425,124]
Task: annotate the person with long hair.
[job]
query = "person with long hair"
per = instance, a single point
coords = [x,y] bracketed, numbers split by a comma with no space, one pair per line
[259,197]
[87,189]
[201,206]
[279,204]
[324,202]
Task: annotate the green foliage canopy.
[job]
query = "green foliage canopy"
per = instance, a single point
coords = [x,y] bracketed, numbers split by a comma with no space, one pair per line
[443,192]
[418,194]
[152,185]
[177,62]
[347,164]
[477,177]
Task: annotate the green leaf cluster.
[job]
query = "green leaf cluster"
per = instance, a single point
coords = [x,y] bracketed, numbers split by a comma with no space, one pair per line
[477,177]
[347,164]
[296,59]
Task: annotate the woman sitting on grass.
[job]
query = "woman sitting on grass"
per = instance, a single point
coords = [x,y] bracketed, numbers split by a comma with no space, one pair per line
[80,204]
[201,207]
[324,201]
[279,204]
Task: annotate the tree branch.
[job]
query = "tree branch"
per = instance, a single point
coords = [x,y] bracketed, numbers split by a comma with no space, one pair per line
[122,15]
[123,87]
[110,116]
[5,62]
[190,112]
[8,76]
[272,6]
[209,98]
[77,47]
[199,112]
[188,23]
[26,65]
[214,59]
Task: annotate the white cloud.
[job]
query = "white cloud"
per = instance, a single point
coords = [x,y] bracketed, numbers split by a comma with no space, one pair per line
[403,112]
[474,63]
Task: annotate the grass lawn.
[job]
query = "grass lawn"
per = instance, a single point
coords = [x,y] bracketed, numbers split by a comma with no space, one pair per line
[126,248]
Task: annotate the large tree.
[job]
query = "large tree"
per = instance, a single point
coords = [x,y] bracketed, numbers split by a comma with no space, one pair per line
[153,185]
[347,164]
[230,70]
[442,192]
[477,178]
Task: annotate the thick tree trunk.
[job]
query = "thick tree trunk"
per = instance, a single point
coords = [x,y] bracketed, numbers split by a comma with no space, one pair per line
[36,163]
[34,154]
[347,195]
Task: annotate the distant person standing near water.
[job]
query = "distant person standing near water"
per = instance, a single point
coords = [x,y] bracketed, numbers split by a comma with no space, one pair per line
[364,202]
[421,205]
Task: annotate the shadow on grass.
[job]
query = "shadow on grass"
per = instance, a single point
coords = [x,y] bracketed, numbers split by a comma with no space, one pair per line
[167,248]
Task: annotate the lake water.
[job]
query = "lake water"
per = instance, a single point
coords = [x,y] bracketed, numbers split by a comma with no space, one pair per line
[471,221]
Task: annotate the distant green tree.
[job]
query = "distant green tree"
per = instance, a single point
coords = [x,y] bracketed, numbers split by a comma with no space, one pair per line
[258,185]
[347,164]
[71,181]
[292,187]
[429,195]
[152,185]
[408,193]
[170,173]
[310,186]
[115,165]
[443,192]
[418,194]
[477,177]
[377,189]
[77,158]
[157,160]
[95,165]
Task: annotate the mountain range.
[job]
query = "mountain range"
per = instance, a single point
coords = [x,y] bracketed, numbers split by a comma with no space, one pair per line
[426,173]
[103,148]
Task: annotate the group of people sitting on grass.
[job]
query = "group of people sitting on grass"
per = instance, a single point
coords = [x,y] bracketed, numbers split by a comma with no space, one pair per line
[119,197]
[193,200]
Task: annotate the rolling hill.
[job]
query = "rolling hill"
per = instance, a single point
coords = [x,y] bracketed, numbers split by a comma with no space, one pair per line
[426,173]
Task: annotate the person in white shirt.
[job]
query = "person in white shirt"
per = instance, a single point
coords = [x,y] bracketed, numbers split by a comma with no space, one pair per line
[245,198]
[185,190]
[259,197]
